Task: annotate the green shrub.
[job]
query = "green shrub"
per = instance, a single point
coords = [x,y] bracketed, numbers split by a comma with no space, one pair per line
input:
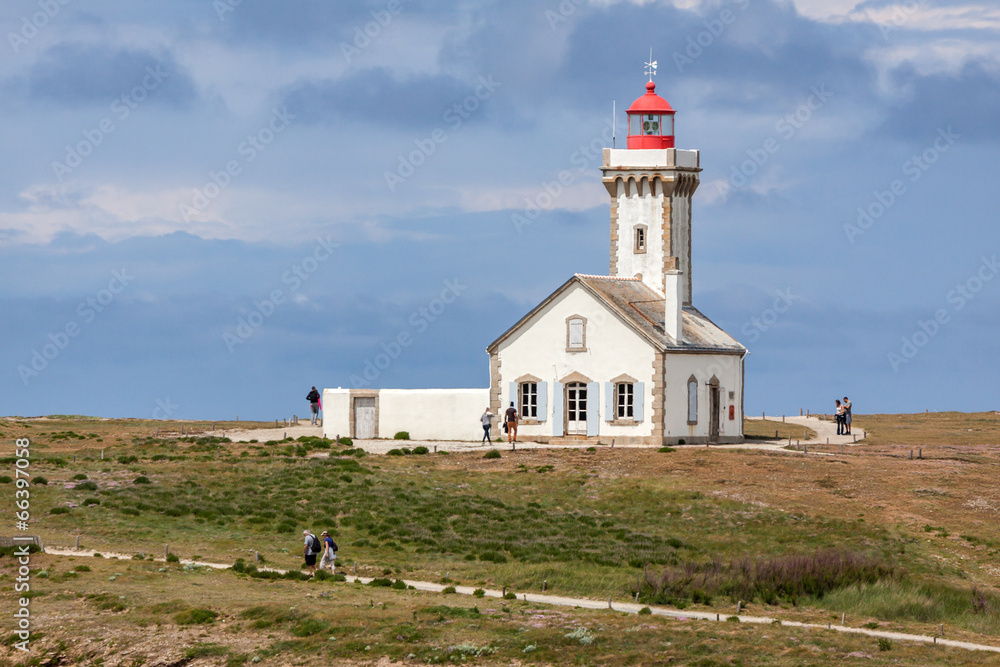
[682,441]
[40,480]
[402,435]
[6,479]
[884,644]
[309,627]
[78,476]
[173,558]
[196,616]
[141,479]
[85,486]
[125,460]
[448,590]
[667,450]
[59,510]
[492,454]
[510,595]
[107,601]
[82,568]
[380,582]
[395,452]
[421,450]
[645,610]
[345,441]
[479,592]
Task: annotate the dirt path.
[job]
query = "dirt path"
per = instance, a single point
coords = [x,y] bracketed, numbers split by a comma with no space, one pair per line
[585,603]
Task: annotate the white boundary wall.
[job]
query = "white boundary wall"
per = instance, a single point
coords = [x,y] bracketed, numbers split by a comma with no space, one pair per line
[427,414]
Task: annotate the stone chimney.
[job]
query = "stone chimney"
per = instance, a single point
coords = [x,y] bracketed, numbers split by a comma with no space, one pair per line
[674,301]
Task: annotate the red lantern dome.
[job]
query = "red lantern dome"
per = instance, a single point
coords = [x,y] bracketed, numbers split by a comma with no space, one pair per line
[650,121]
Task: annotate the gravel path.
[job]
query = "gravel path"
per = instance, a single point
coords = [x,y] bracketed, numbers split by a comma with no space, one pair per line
[586,603]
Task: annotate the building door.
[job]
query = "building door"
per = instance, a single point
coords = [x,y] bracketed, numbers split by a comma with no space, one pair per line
[713,419]
[576,408]
[364,417]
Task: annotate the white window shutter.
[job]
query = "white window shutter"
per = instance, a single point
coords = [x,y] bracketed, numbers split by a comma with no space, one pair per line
[593,411]
[543,400]
[639,395]
[609,402]
[557,408]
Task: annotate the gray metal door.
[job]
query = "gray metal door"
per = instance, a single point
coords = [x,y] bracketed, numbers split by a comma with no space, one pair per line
[364,418]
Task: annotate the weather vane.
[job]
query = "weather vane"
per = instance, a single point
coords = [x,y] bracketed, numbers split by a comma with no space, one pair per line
[651,65]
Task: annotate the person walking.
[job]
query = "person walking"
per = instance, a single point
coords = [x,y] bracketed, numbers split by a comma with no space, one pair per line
[847,416]
[313,398]
[510,423]
[487,421]
[839,417]
[311,550]
[329,552]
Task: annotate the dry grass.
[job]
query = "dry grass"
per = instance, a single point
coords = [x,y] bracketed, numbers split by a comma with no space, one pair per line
[764,429]
[937,515]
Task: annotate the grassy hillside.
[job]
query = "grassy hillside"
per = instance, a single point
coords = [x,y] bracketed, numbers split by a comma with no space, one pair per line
[904,544]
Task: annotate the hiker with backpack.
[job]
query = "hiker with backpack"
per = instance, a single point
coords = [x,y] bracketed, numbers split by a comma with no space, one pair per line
[329,552]
[311,550]
[314,404]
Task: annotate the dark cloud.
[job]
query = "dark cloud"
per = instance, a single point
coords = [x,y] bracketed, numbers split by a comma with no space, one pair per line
[378,97]
[74,74]
[968,102]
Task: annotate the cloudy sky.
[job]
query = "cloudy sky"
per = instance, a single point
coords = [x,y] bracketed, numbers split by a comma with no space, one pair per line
[208,207]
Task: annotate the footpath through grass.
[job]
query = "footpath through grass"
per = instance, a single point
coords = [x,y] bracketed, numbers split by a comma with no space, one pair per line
[877,538]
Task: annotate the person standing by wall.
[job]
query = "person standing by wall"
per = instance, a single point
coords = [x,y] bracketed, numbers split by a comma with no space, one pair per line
[313,398]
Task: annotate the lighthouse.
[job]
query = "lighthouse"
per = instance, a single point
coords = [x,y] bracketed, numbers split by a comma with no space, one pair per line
[623,357]
[651,183]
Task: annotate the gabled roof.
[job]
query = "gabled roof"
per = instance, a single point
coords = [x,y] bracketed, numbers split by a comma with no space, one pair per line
[642,309]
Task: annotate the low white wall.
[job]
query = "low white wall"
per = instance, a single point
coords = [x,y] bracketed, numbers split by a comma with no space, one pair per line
[336,413]
[432,414]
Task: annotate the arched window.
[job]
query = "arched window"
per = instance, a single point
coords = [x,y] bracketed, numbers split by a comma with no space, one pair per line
[692,400]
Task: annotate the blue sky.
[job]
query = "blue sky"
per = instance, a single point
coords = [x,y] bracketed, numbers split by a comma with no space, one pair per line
[208,207]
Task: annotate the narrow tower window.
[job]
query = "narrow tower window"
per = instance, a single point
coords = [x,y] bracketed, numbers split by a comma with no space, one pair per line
[640,239]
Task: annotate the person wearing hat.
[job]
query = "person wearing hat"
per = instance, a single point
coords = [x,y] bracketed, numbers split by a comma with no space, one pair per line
[329,552]
[311,550]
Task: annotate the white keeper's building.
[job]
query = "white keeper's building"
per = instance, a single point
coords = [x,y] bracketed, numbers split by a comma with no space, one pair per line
[624,357]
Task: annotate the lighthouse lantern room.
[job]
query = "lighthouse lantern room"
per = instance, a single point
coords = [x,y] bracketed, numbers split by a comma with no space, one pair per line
[650,121]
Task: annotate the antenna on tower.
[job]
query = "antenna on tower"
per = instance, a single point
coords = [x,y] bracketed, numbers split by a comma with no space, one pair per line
[651,65]
[614,122]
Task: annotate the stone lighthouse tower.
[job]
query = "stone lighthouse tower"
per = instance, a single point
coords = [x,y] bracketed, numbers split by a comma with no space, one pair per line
[651,184]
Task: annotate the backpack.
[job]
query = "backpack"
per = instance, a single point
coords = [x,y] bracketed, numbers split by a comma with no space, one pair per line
[314,545]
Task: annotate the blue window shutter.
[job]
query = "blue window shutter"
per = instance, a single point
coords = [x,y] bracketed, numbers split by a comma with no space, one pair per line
[557,408]
[512,396]
[543,400]
[609,402]
[638,397]
[593,411]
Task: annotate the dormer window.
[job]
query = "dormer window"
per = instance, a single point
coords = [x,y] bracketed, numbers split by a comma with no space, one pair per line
[640,239]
